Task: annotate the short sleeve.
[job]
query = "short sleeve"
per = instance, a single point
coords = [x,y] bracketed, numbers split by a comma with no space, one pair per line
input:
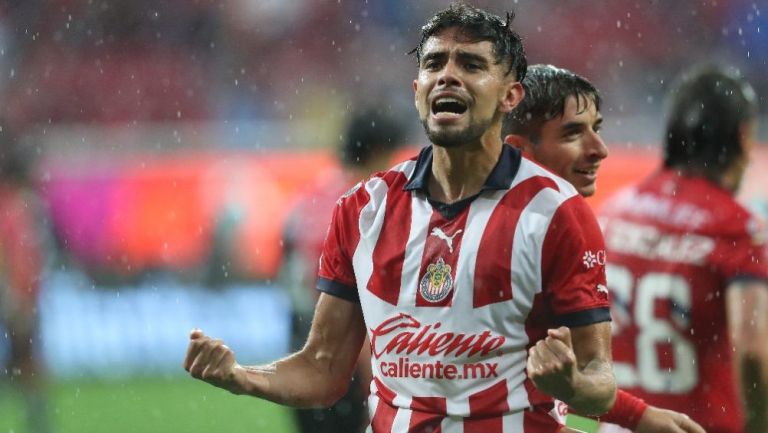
[573,266]
[336,274]
[743,254]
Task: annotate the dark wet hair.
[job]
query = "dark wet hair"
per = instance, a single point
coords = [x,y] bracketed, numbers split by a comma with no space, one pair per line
[707,108]
[479,25]
[369,131]
[547,89]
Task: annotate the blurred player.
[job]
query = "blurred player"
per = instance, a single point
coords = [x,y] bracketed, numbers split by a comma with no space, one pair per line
[558,125]
[455,263]
[21,265]
[369,143]
[688,270]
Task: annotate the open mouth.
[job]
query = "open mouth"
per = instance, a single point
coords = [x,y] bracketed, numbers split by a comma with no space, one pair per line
[591,172]
[448,105]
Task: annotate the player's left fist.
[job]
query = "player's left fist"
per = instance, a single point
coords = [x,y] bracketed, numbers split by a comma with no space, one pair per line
[211,360]
[552,364]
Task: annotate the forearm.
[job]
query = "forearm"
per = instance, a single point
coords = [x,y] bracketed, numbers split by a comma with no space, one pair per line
[574,366]
[316,376]
[295,381]
[754,391]
[594,390]
[747,309]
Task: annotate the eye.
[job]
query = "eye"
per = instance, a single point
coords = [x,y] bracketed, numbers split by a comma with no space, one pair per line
[431,65]
[572,135]
[473,67]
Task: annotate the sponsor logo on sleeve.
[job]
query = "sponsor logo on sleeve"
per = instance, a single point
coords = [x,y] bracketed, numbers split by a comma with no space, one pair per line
[592,259]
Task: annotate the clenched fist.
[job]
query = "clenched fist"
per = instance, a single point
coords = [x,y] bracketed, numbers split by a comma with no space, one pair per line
[212,361]
[552,364]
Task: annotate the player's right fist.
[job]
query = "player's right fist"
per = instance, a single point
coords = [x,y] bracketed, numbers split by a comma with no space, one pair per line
[211,360]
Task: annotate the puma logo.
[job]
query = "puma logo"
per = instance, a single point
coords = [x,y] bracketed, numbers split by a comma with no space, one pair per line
[437,231]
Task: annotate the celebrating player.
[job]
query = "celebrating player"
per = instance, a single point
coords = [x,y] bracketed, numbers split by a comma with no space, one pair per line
[688,266]
[455,263]
[558,125]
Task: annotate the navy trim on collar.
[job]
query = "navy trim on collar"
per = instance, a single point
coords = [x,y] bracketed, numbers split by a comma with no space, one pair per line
[500,178]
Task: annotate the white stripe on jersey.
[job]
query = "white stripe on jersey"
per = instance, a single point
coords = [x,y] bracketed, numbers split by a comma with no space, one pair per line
[371,222]
[529,169]
[479,213]
[402,420]
[527,248]
[373,403]
[517,398]
[452,425]
[513,422]
[421,212]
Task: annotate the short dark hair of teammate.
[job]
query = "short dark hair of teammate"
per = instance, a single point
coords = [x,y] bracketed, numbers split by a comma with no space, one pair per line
[707,113]
[547,88]
[478,25]
[372,131]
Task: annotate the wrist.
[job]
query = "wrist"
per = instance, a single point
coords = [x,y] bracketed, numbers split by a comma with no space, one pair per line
[626,410]
[240,381]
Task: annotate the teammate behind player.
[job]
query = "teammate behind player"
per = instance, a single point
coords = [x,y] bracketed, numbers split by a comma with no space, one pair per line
[21,267]
[461,260]
[688,267]
[369,142]
[558,125]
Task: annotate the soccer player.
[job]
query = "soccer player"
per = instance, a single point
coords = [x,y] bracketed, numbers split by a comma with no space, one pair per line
[558,125]
[21,267]
[369,142]
[454,263]
[688,265]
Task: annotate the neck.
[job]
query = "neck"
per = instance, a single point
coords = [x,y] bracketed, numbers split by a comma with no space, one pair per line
[458,173]
[729,179]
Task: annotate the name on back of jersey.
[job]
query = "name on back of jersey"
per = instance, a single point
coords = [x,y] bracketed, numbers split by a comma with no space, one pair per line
[648,242]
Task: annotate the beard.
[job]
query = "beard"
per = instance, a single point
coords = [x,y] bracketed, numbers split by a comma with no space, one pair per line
[452,139]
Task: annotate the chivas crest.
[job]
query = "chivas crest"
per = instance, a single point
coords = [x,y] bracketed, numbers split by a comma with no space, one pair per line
[437,282]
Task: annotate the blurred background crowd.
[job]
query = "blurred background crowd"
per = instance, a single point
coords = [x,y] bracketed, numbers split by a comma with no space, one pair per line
[169,139]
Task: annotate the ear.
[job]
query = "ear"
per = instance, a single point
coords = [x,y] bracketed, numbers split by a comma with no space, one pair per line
[512,95]
[415,90]
[521,143]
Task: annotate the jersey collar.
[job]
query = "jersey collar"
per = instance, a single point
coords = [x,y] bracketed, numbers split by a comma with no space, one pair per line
[500,178]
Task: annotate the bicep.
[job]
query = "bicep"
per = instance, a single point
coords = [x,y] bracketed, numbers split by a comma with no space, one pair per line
[592,343]
[336,336]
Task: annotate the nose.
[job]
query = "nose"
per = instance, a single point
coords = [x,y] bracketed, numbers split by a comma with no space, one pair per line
[449,75]
[596,147]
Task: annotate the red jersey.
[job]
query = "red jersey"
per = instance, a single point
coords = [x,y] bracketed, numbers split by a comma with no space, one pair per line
[305,232]
[454,295]
[21,258]
[674,244]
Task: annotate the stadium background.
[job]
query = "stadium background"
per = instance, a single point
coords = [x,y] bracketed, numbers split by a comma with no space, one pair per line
[172,136]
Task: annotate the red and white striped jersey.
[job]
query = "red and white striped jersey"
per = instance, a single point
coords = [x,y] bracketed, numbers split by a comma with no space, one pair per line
[454,295]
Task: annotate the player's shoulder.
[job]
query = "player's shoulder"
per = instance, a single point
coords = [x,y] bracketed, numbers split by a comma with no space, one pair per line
[377,184]
[727,217]
[530,170]
[733,218]
[693,204]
